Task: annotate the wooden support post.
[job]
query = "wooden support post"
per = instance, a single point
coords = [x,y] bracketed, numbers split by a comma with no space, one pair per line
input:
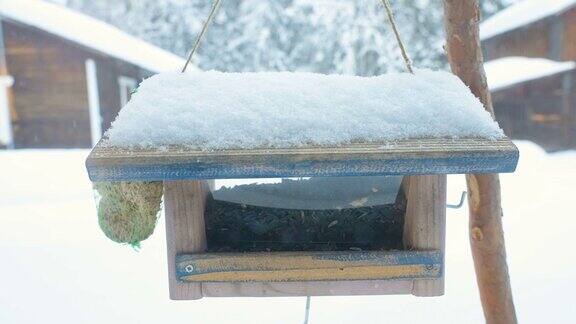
[184,203]
[462,18]
[425,224]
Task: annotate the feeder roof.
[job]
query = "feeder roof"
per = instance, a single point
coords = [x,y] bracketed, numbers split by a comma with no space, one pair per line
[407,157]
[214,110]
[232,125]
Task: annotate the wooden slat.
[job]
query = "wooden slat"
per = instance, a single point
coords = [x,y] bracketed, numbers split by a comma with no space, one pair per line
[307,288]
[308,266]
[425,224]
[185,231]
[423,156]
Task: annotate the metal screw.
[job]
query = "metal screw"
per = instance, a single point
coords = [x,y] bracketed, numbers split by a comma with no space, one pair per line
[189,268]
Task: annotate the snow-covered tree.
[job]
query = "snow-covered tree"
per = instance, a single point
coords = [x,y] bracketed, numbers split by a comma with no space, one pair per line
[326,36]
[490,7]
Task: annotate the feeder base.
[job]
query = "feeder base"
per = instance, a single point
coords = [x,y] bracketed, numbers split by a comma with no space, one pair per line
[185,203]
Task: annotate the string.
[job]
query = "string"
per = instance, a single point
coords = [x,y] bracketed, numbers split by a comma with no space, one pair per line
[397,34]
[307,310]
[386,4]
[392,21]
[202,32]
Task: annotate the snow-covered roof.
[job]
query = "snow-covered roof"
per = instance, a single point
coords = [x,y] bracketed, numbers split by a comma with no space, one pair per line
[508,71]
[6,81]
[249,110]
[521,14]
[89,32]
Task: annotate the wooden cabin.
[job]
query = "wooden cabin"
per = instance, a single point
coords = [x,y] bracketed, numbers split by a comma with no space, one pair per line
[64,75]
[535,99]
[530,49]
[541,28]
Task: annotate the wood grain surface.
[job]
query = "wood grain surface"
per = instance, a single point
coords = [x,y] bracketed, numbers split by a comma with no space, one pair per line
[308,266]
[409,157]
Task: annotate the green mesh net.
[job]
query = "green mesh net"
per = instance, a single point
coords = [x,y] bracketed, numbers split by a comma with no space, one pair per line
[128,211]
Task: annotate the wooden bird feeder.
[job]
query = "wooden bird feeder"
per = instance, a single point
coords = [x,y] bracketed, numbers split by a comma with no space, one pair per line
[413,263]
[381,205]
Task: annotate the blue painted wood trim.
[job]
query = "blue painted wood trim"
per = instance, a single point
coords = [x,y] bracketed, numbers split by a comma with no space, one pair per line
[494,163]
[408,157]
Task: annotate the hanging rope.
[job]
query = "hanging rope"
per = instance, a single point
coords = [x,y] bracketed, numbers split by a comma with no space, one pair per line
[386,4]
[202,32]
[398,38]
[307,310]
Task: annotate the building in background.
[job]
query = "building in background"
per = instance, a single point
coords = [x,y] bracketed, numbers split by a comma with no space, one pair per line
[535,99]
[64,75]
[530,49]
[532,28]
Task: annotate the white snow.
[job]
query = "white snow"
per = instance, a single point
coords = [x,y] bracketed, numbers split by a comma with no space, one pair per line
[89,32]
[214,110]
[521,14]
[57,266]
[508,71]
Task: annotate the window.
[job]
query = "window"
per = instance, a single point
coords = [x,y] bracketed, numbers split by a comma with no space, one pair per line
[93,101]
[6,136]
[127,86]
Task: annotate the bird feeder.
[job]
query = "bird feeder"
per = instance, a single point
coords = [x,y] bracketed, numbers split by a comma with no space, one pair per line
[411,174]
[361,206]
[360,209]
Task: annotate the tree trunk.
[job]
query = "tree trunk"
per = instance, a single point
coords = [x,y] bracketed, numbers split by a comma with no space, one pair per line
[486,234]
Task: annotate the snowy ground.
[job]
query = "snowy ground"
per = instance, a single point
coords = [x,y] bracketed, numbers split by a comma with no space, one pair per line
[56,266]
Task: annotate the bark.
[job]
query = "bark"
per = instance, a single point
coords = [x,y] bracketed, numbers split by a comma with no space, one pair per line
[486,234]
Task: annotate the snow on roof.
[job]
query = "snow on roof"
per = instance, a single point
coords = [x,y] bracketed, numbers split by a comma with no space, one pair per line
[508,71]
[521,14]
[215,110]
[6,81]
[89,32]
